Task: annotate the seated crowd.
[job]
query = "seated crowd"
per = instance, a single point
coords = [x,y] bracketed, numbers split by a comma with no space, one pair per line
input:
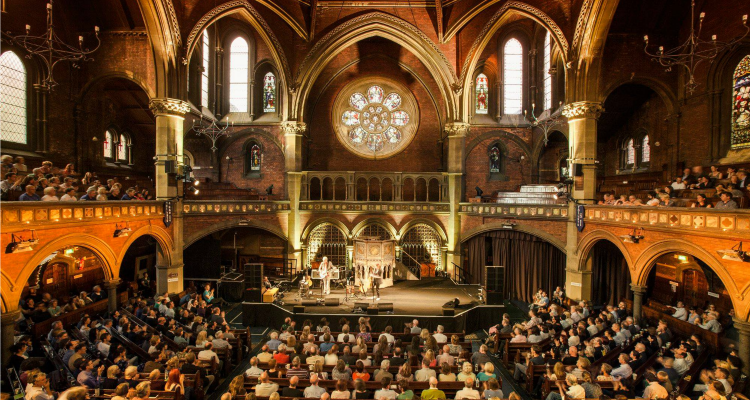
[49,183]
[715,190]
[154,343]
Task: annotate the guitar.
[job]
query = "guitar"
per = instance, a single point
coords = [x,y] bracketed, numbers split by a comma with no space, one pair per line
[323,271]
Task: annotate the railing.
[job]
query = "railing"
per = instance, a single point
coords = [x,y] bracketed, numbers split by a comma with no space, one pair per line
[374,186]
[22,214]
[700,220]
[374,207]
[202,207]
[516,211]
[460,276]
[410,262]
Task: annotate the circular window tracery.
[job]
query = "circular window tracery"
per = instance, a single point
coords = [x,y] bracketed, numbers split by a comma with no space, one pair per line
[375,120]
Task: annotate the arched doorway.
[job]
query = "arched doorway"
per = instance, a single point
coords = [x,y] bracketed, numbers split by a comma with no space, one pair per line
[553,161]
[326,240]
[420,249]
[610,277]
[141,258]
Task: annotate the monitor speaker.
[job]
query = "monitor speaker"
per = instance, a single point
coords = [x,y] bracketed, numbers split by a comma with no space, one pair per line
[361,305]
[385,307]
[333,301]
[298,309]
[253,295]
[309,303]
[449,311]
[494,298]
[253,276]
[495,279]
[372,310]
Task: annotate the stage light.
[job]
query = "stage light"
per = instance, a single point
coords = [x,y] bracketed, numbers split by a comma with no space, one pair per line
[633,237]
[735,254]
[196,183]
[122,231]
[19,245]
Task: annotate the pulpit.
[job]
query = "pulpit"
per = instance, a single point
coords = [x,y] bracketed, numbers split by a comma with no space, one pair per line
[369,253]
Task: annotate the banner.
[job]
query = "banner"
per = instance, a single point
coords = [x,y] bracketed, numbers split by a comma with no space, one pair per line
[580,217]
[167,213]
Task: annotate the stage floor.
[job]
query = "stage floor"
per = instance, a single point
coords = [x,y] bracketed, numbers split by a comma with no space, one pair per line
[422,297]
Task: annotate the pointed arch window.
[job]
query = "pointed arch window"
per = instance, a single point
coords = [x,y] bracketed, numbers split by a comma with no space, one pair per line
[238,75]
[123,147]
[547,76]
[630,152]
[109,145]
[741,104]
[645,150]
[482,94]
[512,77]
[13,88]
[269,92]
[205,50]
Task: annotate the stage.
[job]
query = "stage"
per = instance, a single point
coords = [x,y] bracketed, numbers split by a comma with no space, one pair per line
[421,299]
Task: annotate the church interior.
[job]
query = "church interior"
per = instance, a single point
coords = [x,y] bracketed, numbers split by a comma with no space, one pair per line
[374,199]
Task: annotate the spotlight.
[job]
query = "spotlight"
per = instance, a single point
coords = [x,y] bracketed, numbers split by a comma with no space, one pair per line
[19,245]
[633,237]
[196,183]
[735,254]
[122,231]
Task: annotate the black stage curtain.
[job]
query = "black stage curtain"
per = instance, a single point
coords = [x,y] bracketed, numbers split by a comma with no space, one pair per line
[530,262]
[610,278]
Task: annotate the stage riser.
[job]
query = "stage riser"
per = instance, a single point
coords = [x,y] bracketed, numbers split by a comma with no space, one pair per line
[271,315]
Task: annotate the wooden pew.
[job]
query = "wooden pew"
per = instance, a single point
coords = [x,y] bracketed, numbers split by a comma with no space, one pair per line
[682,328]
[692,375]
[224,354]
[370,369]
[448,387]
[515,349]
[99,307]
[107,394]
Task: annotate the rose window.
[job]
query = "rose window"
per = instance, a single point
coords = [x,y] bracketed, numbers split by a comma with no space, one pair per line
[375,120]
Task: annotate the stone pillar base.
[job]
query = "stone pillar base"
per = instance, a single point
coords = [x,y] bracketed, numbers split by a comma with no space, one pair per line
[578,285]
[8,332]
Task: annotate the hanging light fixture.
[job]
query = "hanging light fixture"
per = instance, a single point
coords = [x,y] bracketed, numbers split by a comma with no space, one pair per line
[546,125]
[694,50]
[212,131]
[51,49]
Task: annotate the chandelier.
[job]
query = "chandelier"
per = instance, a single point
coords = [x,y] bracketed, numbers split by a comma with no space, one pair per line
[547,125]
[694,50]
[212,131]
[51,49]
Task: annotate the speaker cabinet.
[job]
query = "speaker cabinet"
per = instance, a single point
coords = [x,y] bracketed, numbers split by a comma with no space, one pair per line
[333,301]
[298,309]
[449,312]
[385,307]
[372,310]
[494,298]
[495,279]
[253,295]
[253,276]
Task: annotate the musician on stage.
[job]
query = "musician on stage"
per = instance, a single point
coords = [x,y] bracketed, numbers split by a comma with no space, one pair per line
[376,277]
[325,270]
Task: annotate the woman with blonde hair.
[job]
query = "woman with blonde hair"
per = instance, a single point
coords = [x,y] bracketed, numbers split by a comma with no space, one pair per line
[237,386]
[488,372]
[201,339]
[121,392]
[113,377]
[318,369]
[558,372]
[466,372]
[404,372]
[155,380]
[291,342]
[142,391]
[360,345]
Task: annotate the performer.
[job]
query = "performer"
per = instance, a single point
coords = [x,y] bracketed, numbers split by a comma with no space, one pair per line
[304,286]
[325,275]
[376,277]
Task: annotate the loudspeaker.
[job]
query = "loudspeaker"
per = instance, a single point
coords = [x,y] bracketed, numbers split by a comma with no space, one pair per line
[449,312]
[309,303]
[298,309]
[385,307]
[253,276]
[333,301]
[372,310]
[495,279]
[494,298]
[253,295]
[361,305]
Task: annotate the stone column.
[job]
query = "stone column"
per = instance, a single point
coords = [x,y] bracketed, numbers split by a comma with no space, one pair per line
[8,321]
[170,119]
[219,72]
[456,165]
[582,119]
[252,99]
[111,287]
[293,137]
[638,292]
[743,327]
[42,93]
[577,276]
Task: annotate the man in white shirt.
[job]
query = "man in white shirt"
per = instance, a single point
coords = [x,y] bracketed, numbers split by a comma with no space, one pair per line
[41,389]
[265,388]
[446,356]
[654,390]
[386,333]
[207,353]
[440,338]
[219,342]
[415,329]
[253,370]
[518,337]
[711,323]
[680,312]
[386,392]
[344,332]
[624,371]
[574,391]
[468,392]
[425,373]
[678,184]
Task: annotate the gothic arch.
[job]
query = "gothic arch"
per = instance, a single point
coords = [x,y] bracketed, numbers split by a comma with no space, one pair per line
[586,244]
[501,17]
[244,223]
[314,224]
[163,238]
[432,224]
[666,94]
[247,134]
[261,28]
[374,221]
[365,26]
[494,226]
[120,74]
[499,134]
[645,262]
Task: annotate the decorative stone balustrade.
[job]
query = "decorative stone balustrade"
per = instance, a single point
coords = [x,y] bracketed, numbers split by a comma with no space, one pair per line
[518,211]
[213,207]
[374,186]
[374,207]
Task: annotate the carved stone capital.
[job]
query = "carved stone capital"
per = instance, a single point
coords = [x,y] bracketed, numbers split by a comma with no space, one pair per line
[457,128]
[583,109]
[293,127]
[638,288]
[167,106]
[742,326]
[10,317]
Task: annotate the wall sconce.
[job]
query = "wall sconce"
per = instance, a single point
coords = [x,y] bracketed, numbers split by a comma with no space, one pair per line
[122,231]
[633,237]
[19,245]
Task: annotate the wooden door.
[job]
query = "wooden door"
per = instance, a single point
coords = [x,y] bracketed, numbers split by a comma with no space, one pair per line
[695,288]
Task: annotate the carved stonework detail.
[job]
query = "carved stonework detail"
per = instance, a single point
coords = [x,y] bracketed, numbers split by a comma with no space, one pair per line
[457,128]
[293,127]
[166,106]
[583,109]
[583,18]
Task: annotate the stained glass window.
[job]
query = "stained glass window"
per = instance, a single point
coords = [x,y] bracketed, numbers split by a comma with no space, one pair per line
[376,118]
[422,244]
[630,152]
[255,157]
[13,99]
[513,77]
[645,150]
[741,105]
[109,144]
[495,159]
[238,70]
[482,94]
[204,70]
[122,148]
[547,75]
[269,93]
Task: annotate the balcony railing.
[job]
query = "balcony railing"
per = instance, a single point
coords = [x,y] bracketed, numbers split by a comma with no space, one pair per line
[374,207]
[374,186]
[21,214]
[211,207]
[541,211]
[704,220]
